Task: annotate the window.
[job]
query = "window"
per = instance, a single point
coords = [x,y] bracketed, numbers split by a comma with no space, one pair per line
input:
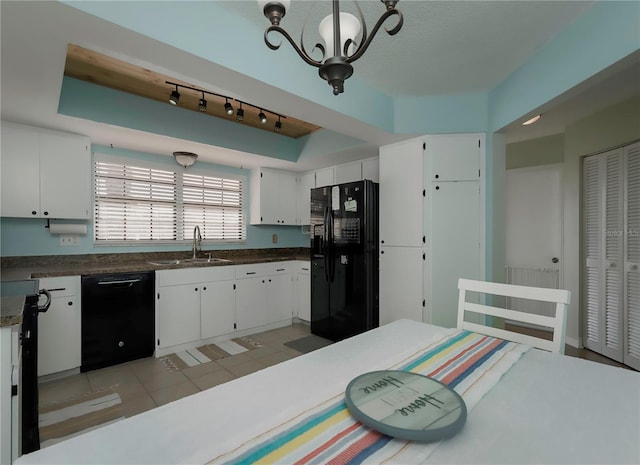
[136,202]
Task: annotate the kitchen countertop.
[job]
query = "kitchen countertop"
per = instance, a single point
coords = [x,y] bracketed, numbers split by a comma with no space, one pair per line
[17,268]
[12,299]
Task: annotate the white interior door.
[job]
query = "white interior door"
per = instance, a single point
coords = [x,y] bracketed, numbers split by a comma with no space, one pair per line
[533,232]
[533,217]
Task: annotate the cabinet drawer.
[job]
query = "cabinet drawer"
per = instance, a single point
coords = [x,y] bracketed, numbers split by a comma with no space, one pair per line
[61,286]
[279,267]
[250,271]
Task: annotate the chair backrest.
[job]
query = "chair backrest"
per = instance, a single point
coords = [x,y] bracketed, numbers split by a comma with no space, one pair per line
[557,323]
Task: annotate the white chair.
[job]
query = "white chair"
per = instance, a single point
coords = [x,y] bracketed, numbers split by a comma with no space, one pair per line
[559,297]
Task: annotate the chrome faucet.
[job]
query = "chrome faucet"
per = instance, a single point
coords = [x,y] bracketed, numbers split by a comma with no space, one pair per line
[197,240]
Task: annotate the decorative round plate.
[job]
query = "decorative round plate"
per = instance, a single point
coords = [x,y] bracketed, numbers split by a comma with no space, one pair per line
[406,405]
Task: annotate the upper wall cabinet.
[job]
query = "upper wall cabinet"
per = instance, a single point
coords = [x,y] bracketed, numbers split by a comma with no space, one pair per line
[273,197]
[45,174]
[454,157]
[357,171]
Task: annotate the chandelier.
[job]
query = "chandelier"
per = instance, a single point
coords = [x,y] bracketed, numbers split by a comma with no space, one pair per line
[339,31]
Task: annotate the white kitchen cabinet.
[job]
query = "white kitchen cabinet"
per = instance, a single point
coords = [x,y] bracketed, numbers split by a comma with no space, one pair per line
[357,171]
[306,182]
[45,174]
[402,194]
[178,313]
[303,291]
[431,206]
[326,177]
[9,402]
[279,289]
[59,328]
[401,291]
[217,309]
[273,197]
[194,304]
[250,296]
[454,157]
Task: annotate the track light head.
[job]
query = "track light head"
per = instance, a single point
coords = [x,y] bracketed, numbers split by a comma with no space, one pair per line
[262,117]
[228,109]
[240,114]
[175,97]
[202,104]
[278,126]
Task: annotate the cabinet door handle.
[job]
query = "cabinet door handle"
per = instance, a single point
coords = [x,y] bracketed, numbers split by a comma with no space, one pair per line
[57,289]
[280,269]
[123,281]
[250,272]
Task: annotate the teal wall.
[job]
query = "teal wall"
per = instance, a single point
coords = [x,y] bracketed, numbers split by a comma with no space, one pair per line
[28,236]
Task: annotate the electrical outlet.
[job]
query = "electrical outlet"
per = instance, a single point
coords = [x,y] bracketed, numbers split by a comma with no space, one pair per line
[274,238]
[68,240]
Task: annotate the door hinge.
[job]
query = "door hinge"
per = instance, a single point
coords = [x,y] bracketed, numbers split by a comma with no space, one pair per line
[424,146]
[14,390]
[158,341]
[234,286]
[478,143]
[235,326]
[424,192]
[424,256]
[158,296]
[424,303]
[478,173]
[424,239]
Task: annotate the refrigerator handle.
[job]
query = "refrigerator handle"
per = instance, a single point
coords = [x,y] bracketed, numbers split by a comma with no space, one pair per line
[325,245]
[332,248]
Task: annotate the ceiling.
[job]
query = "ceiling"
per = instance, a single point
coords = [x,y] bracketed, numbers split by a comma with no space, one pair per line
[445,47]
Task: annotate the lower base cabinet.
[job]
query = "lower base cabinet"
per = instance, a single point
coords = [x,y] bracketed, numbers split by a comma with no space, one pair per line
[59,328]
[178,310]
[198,304]
[303,291]
[217,309]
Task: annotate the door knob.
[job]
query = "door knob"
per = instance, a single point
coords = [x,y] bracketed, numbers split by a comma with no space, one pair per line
[555,260]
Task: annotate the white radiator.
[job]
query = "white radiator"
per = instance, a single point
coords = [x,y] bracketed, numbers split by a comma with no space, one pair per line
[537,277]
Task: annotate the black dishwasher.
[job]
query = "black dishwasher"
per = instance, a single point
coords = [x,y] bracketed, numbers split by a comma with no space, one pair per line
[118,318]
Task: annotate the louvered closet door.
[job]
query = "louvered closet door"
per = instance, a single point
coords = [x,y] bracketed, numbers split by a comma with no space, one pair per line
[604,241]
[632,256]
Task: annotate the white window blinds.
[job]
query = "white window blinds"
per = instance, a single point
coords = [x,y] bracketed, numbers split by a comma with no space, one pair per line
[138,203]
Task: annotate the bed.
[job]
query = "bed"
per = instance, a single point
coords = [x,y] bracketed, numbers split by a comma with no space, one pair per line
[534,407]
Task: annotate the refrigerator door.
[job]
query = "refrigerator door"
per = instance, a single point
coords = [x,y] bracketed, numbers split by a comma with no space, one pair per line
[320,315]
[344,260]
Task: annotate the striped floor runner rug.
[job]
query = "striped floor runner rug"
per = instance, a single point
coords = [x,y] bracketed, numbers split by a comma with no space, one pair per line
[208,353]
[64,420]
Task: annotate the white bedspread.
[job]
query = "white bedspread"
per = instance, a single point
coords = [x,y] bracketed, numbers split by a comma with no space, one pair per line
[546,409]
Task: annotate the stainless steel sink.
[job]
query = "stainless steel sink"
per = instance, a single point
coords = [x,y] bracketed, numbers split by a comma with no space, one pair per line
[167,262]
[188,261]
[206,260]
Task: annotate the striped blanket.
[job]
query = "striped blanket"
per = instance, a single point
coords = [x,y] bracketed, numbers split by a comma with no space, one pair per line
[327,434]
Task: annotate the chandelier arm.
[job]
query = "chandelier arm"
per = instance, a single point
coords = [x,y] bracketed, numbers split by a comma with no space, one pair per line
[363,38]
[286,35]
[365,43]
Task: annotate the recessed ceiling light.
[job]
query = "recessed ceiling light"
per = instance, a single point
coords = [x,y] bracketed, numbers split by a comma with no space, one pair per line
[532,120]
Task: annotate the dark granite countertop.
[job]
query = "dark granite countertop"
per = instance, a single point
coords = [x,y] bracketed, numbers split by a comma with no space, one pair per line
[15,268]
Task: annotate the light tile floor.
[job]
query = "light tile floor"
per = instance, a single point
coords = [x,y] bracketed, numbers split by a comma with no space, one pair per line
[146,383]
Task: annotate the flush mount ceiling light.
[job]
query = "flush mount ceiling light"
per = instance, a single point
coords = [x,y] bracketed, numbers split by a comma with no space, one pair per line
[339,32]
[174,98]
[532,120]
[185,159]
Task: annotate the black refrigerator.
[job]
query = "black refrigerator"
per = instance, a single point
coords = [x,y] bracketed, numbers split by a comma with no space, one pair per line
[344,259]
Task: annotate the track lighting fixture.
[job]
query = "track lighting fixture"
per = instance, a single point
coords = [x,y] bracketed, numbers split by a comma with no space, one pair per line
[339,32]
[174,98]
[202,104]
[228,108]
